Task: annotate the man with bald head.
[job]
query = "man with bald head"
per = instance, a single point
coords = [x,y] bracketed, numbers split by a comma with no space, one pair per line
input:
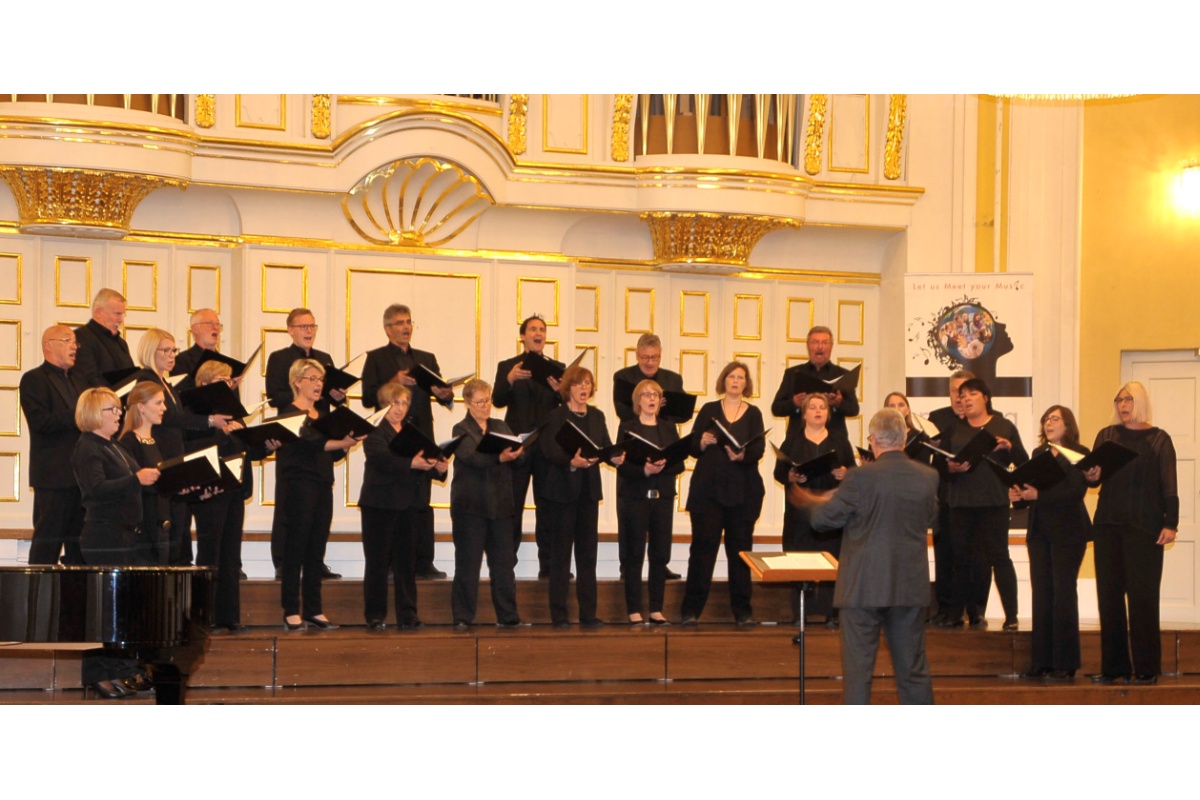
[206,335]
[48,396]
[101,346]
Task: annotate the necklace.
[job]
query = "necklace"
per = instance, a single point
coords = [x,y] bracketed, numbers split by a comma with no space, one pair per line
[738,409]
[147,440]
[580,414]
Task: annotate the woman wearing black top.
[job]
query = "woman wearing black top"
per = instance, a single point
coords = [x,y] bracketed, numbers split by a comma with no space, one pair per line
[1136,516]
[979,513]
[725,493]
[388,500]
[804,443]
[570,497]
[1057,537]
[646,505]
[305,466]
[145,407]
[482,509]
[156,353]
[111,487]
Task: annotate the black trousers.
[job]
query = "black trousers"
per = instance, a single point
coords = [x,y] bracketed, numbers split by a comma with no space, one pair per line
[708,522]
[904,627]
[572,527]
[473,536]
[423,525]
[1053,571]
[219,545]
[1128,568]
[307,517]
[179,535]
[943,559]
[278,526]
[106,544]
[638,522]
[389,542]
[523,474]
[979,543]
[57,525]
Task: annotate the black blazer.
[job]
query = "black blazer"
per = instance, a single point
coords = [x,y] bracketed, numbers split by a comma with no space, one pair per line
[1059,515]
[279,391]
[668,380]
[716,478]
[528,402]
[561,482]
[632,481]
[99,352]
[382,365]
[389,481]
[482,485]
[107,481]
[782,405]
[49,409]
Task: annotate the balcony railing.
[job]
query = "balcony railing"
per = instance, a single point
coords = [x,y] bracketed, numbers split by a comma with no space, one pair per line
[170,105]
[755,125]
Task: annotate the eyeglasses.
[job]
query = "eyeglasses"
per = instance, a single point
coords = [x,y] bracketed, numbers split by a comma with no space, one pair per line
[208,325]
[487,401]
[399,323]
[655,395]
[1124,399]
[1054,418]
[69,341]
[312,378]
[174,351]
[306,328]
[116,409]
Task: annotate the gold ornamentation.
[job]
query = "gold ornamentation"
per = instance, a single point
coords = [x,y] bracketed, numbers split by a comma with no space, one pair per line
[57,200]
[386,205]
[707,242]
[320,116]
[620,129]
[518,108]
[895,136]
[812,138]
[206,110]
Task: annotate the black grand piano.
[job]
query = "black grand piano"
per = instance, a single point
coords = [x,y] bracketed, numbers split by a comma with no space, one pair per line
[157,615]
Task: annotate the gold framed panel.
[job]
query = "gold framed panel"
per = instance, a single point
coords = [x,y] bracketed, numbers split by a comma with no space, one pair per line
[86,262]
[133,346]
[737,326]
[594,367]
[262,338]
[683,315]
[13,262]
[854,424]
[13,325]
[303,269]
[583,122]
[795,336]
[862,312]
[352,271]
[521,315]
[595,326]
[791,360]
[850,362]
[192,308]
[153,265]
[630,351]
[15,496]
[631,291]
[754,359]
[702,355]
[262,481]
[238,122]
[11,397]
[346,487]
[832,117]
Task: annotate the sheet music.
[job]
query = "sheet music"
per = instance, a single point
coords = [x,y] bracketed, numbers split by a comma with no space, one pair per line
[797,561]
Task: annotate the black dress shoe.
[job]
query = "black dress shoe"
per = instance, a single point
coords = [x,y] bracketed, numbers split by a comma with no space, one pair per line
[290,628]
[950,622]
[512,626]
[1010,625]
[1060,675]
[833,623]
[936,619]
[461,626]
[1143,680]
[376,625]
[663,621]
[138,683]
[689,620]
[673,576]
[1109,679]
[413,624]
[431,573]
[543,574]
[562,624]
[978,623]
[328,574]
[111,690]
[1035,674]
[591,623]
[321,624]
[745,622]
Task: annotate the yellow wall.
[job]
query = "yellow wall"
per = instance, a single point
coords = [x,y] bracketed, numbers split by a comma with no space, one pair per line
[1140,253]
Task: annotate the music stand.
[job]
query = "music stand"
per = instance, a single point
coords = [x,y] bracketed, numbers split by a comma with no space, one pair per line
[797,569]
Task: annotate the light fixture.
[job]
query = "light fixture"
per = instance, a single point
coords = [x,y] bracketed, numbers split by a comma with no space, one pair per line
[1187,193]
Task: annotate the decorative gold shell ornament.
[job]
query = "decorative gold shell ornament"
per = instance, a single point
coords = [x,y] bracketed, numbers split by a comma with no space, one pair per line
[422,203]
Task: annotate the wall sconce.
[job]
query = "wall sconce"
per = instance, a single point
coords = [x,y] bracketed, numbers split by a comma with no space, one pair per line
[1188,191]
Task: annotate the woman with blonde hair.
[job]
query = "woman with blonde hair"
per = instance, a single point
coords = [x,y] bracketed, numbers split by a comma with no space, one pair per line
[1136,517]
[145,407]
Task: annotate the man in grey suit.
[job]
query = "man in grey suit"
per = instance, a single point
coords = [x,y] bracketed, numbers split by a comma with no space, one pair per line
[885,509]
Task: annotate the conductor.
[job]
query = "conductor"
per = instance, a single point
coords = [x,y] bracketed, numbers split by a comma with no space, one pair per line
[885,509]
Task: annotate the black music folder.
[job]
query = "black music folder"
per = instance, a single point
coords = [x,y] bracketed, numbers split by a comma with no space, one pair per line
[806,383]
[230,480]
[427,378]
[723,433]
[239,368]
[284,429]
[342,422]
[676,405]
[640,450]
[118,378]
[541,368]
[1109,456]
[201,468]
[214,398]
[494,443]
[410,442]
[982,443]
[825,462]
[1041,472]
[573,440]
[344,377]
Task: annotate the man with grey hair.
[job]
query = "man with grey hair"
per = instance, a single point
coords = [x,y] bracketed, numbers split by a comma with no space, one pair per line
[649,356]
[206,335]
[397,361]
[101,346]
[885,509]
[789,403]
